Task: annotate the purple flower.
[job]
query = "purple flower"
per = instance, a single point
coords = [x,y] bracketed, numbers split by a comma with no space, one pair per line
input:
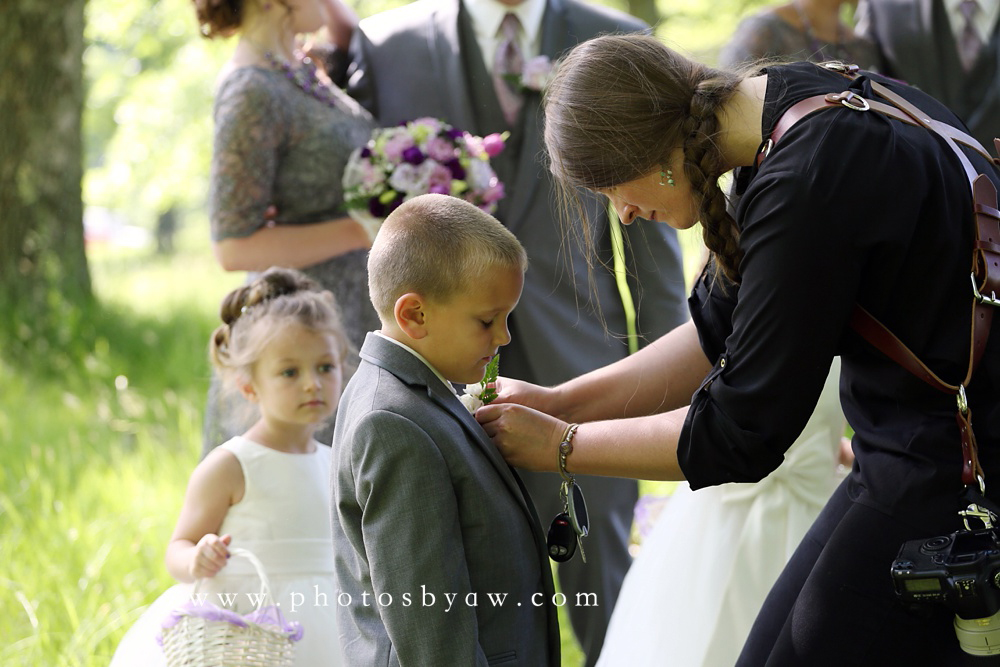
[474,145]
[454,133]
[377,208]
[493,193]
[414,155]
[396,143]
[457,170]
[394,204]
[440,149]
[366,152]
[439,179]
[493,144]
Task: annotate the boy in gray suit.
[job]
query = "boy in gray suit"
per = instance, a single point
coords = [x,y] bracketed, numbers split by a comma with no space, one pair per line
[438,58]
[440,558]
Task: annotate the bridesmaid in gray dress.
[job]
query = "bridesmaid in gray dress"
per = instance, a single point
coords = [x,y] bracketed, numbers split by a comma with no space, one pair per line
[283,135]
[799,30]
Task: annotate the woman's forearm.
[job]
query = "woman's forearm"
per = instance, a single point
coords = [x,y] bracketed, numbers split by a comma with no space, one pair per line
[292,246]
[660,377]
[637,448]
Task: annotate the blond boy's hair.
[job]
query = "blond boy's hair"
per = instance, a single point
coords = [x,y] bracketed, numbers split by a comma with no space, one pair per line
[436,246]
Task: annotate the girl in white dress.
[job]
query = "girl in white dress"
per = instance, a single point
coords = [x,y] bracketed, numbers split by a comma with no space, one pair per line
[281,345]
[695,588]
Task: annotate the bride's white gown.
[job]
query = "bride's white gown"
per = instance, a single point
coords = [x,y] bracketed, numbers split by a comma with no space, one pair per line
[694,590]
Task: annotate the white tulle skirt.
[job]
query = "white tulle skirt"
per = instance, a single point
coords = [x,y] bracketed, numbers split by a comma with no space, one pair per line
[703,572]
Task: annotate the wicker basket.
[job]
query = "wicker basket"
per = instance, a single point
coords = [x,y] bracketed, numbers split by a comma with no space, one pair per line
[205,635]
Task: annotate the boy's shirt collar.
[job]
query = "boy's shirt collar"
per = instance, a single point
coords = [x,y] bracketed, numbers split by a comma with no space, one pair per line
[419,356]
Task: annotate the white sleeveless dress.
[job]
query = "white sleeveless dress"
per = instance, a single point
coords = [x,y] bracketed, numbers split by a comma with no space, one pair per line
[693,592]
[284,519]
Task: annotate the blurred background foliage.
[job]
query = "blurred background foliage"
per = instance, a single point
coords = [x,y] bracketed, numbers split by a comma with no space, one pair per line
[147,119]
[101,400]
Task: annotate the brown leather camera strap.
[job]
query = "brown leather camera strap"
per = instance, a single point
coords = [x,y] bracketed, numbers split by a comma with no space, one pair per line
[985,274]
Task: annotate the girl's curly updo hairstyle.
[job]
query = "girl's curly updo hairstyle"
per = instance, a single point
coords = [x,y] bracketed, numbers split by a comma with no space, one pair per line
[254,313]
[616,109]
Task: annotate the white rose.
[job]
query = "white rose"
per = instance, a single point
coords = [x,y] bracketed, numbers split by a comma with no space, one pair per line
[471,402]
[480,175]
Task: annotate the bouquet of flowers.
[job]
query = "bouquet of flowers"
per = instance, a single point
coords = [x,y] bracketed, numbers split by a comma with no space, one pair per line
[417,157]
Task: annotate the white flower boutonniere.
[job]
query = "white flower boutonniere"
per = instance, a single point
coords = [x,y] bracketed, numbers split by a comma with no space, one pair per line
[535,75]
[478,395]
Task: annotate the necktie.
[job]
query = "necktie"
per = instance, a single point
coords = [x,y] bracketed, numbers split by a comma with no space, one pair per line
[509,62]
[969,42]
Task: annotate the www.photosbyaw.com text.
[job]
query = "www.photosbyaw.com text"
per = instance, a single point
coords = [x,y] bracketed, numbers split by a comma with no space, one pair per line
[296,600]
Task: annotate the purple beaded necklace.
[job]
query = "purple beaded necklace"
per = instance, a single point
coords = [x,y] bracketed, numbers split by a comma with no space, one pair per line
[305,78]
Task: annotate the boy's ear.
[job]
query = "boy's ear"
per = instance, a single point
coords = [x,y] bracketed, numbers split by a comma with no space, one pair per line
[410,314]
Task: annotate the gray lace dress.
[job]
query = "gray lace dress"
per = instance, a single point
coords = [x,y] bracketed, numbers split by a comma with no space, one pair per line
[767,35]
[276,144]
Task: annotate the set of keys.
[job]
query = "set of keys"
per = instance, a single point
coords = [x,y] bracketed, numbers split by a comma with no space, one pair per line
[570,526]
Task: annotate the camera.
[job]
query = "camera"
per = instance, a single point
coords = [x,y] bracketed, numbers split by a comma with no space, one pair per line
[961,570]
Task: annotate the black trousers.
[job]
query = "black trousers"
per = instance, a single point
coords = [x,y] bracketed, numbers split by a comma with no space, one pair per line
[834,604]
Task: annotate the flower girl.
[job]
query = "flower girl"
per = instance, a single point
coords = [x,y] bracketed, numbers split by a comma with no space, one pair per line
[281,345]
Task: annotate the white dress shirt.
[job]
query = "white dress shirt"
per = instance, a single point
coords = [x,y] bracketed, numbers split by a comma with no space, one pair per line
[419,356]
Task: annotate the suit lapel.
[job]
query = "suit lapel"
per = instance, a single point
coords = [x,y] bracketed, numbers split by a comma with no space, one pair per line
[934,59]
[556,28]
[412,371]
[445,48]
[453,406]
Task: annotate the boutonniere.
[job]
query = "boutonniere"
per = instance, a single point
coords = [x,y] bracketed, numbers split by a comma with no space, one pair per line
[535,75]
[478,395]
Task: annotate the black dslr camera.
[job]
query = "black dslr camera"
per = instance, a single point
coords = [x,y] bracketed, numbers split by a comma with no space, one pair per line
[961,570]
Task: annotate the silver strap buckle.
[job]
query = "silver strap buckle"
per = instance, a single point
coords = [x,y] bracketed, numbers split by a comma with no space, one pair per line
[990,300]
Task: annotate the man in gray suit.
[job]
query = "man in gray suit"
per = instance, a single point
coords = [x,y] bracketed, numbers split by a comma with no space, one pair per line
[439,555]
[921,42]
[435,58]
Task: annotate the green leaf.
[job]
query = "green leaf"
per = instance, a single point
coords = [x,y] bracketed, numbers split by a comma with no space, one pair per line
[492,371]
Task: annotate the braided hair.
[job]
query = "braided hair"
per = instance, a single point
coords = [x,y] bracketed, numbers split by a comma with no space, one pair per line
[616,109]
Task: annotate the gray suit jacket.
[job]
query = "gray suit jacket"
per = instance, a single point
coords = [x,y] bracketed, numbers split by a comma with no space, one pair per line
[431,529]
[410,62]
[916,44]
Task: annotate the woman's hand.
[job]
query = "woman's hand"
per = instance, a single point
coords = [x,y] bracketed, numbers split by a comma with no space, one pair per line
[526,438]
[210,555]
[534,396]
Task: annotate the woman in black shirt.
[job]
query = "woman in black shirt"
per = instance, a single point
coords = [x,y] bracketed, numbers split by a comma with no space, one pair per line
[849,207]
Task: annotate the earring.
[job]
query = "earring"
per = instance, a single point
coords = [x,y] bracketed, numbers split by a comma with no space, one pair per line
[669,176]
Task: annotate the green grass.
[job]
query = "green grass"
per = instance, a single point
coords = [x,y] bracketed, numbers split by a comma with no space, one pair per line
[100,428]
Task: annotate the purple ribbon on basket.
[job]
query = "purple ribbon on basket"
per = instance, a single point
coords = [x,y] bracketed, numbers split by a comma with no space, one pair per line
[270,615]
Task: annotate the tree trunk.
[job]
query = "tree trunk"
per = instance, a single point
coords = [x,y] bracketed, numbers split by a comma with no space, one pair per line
[645,10]
[41,152]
